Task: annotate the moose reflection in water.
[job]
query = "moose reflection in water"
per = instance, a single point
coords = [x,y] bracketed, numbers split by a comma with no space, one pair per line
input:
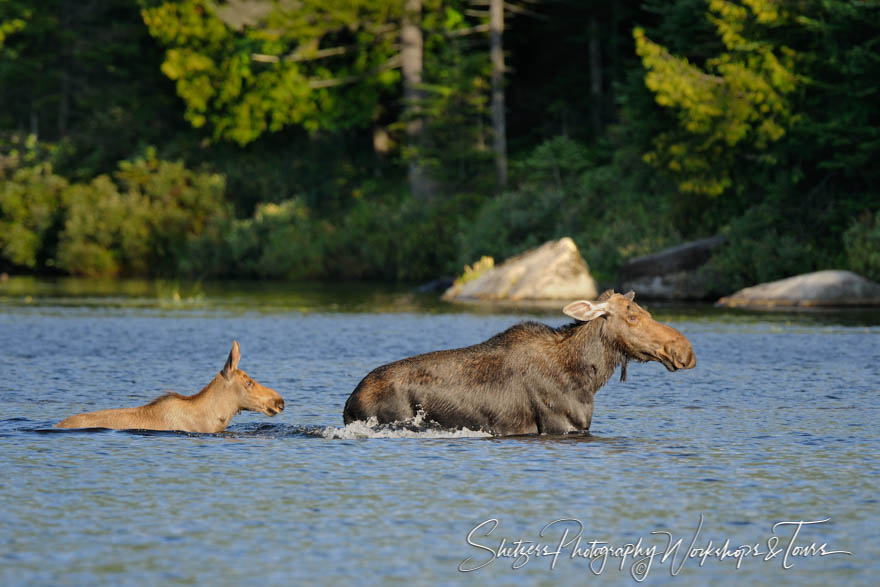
[528,379]
[210,410]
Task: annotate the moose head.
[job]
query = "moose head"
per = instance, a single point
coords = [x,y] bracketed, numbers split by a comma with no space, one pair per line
[251,395]
[630,328]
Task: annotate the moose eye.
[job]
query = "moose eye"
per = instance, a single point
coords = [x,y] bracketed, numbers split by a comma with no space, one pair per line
[249,383]
[632,318]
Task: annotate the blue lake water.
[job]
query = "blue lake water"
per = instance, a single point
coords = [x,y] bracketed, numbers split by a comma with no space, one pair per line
[777,423]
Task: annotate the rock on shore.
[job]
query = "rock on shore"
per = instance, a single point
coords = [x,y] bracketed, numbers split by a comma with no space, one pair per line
[820,289]
[553,271]
[671,274]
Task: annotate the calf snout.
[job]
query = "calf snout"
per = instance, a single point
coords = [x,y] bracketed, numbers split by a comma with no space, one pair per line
[276,406]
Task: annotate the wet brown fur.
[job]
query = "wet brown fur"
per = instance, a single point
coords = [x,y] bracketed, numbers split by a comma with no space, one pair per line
[530,378]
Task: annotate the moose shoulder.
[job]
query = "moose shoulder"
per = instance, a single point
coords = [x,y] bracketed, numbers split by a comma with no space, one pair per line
[530,378]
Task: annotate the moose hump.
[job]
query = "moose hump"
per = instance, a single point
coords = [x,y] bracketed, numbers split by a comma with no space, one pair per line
[553,271]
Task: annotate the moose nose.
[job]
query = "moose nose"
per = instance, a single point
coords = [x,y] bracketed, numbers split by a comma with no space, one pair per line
[689,360]
[681,354]
[279,404]
[683,357]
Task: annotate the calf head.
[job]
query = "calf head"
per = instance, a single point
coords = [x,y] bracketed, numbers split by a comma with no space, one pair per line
[630,328]
[251,395]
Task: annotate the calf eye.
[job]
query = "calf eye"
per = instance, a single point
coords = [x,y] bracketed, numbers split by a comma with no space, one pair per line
[632,318]
[249,383]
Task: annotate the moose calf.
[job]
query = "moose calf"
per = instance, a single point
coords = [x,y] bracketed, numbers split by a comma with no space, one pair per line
[231,391]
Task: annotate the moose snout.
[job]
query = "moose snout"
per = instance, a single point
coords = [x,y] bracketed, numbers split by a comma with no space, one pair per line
[681,355]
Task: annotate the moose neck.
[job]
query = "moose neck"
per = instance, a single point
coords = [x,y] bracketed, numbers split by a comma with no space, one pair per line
[218,397]
[593,355]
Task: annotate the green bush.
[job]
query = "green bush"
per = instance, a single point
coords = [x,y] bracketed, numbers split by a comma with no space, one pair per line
[547,203]
[360,245]
[390,237]
[88,259]
[105,232]
[563,191]
[181,203]
[758,250]
[279,241]
[291,247]
[30,210]
[426,247]
[143,223]
[862,244]
[398,239]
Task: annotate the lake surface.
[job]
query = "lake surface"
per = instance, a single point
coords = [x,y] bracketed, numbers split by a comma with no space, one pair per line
[777,423]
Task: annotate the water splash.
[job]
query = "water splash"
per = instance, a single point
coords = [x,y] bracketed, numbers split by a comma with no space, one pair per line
[415,427]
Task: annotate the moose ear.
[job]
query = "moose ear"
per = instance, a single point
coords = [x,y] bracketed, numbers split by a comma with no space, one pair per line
[232,362]
[584,310]
[630,295]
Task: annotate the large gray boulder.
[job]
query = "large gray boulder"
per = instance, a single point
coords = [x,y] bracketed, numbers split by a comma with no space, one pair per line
[671,274]
[553,271]
[822,288]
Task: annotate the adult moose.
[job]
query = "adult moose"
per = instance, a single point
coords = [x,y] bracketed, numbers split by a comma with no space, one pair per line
[528,379]
[231,391]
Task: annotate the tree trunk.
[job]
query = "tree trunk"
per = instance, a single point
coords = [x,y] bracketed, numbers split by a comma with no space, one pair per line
[64,79]
[496,52]
[411,67]
[614,45]
[64,104]
[35,122]
[595,78]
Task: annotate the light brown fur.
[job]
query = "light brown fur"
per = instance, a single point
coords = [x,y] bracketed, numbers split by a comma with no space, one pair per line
[210,410]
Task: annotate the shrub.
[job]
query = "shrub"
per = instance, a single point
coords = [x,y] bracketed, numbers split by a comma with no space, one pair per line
[279,241]
[862,245]
[181,202]
[30,199]
[399,240]
[561,192]
[759,251]
[144,223]
[105,232]
[545,205]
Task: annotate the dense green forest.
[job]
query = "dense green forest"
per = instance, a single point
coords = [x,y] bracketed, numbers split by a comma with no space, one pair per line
[401,139]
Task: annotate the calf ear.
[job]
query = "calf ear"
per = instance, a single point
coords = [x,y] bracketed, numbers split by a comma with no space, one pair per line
[630,295]
[584,310]
[231,362]
[605,295]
